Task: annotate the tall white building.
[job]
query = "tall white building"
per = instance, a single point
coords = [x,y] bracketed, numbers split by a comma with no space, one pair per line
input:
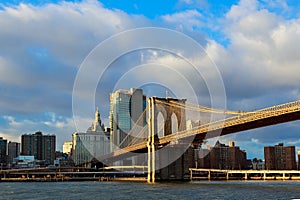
[89,146]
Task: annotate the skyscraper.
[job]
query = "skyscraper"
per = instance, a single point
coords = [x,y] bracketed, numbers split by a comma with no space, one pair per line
[42,147]
[290,156]
[13,151]
[126,109]
[48,148]
[280,157]
[3,152]
[298,160]
[32,145]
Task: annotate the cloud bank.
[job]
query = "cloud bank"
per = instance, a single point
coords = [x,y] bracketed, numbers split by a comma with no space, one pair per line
[254,44]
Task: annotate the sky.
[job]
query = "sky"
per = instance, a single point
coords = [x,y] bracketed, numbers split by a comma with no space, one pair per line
[45,44]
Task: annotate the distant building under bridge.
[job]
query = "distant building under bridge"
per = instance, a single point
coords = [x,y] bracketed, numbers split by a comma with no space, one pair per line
[221,156]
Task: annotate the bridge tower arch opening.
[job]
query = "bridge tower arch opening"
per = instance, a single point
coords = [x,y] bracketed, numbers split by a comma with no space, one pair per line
[160,125]
[173,113]
[174,123]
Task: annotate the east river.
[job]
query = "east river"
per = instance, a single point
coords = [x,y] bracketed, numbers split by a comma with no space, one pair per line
[138,190]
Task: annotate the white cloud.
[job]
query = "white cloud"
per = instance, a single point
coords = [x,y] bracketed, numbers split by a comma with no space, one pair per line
[254,140]
[189,20]
[67,30]
[241,10]
[295,142]
[12,121]
[262,56]
[280,4]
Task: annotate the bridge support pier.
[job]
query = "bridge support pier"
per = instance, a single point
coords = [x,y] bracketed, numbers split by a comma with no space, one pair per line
[151,142]
[177,170]
[151,163]
[171,162]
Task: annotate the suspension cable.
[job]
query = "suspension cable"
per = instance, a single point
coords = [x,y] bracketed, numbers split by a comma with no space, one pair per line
[135,127]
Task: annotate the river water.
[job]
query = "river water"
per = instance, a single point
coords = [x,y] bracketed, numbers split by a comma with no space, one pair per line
[139,190]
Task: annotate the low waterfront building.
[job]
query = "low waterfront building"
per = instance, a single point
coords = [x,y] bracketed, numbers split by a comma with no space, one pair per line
[258,164]
[24,162]
[63,161]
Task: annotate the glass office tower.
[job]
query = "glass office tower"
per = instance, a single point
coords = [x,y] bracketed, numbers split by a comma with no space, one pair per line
[126,109]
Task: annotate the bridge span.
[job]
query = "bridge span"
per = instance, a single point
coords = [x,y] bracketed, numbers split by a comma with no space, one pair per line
[242,121]
[245,121]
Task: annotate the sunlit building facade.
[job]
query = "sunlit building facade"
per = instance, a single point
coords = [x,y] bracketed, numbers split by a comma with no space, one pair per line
[88,147]
[67,147]
[280,157]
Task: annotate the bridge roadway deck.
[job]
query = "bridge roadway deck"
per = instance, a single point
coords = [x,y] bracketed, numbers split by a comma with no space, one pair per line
[261,118]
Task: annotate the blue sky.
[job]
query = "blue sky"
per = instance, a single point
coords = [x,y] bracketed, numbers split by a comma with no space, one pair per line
[253,43]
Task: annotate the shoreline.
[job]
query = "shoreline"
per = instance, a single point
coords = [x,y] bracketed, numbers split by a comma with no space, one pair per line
[140,179]
[77,179]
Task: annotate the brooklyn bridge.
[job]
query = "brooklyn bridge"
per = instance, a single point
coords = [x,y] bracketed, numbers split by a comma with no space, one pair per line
[165,144]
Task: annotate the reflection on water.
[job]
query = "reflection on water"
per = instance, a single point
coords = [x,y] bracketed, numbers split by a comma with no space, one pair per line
[138,190]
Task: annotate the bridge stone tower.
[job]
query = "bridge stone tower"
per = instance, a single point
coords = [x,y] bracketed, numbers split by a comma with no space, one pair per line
[169,107]
[171,161]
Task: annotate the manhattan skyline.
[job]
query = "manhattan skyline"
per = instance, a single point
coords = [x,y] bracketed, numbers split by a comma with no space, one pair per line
[254,45]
